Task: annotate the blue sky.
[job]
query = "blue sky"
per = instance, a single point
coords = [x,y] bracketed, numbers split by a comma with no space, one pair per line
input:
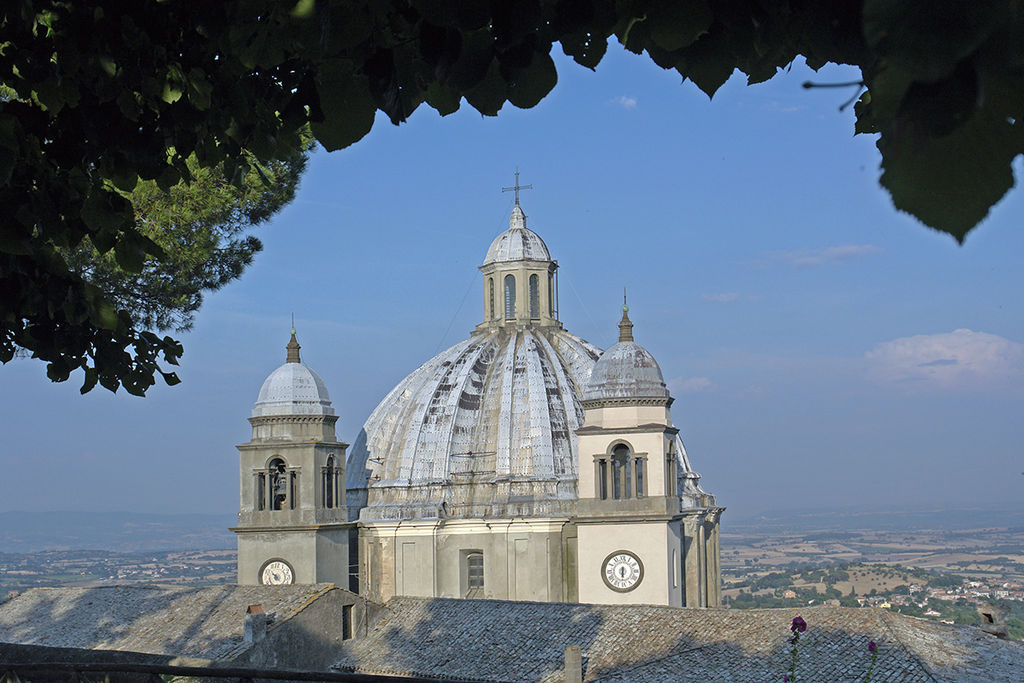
[823,349]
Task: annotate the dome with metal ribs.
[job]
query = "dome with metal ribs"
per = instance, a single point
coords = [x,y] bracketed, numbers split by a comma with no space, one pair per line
[518,243]
[484,429]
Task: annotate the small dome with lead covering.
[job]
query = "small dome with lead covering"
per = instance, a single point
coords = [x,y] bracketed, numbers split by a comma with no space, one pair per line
[518,243]
[293,389]
[626,370]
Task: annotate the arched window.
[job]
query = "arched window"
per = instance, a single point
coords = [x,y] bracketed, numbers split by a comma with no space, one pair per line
[472,573]
[491,314]
[534,296]
[277,476]
[551,294]
[621,480]
[670,473]
[328,483]
[510,297]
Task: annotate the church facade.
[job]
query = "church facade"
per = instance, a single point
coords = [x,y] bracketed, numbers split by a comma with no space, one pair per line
[523,463]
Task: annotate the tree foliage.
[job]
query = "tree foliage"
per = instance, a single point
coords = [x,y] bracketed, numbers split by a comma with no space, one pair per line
[200,226]
[109,94]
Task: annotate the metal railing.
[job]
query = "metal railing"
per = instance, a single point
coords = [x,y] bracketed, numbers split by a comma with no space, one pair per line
[88,672]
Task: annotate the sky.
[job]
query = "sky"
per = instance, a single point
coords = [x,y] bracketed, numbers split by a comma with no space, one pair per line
[824,350]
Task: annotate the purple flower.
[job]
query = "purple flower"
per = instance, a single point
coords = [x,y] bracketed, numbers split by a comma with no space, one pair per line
[872,647]
[794,639]
[798,625]
[785,678]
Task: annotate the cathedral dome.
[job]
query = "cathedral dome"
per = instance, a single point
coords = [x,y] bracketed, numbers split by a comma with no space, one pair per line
[484,429]
[293,389]
[626,370]
[518,243]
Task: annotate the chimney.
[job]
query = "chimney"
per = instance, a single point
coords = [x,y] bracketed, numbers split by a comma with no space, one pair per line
[573,664]
[994,619]
[255,628]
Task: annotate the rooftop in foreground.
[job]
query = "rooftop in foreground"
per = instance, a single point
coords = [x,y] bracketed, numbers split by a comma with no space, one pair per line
[494,640]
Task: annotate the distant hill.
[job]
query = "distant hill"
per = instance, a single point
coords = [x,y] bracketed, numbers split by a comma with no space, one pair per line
[886,519]
[29,532]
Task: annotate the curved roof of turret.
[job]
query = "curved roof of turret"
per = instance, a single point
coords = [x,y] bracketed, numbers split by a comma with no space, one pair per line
[293,389]
[626,370]
[518,243]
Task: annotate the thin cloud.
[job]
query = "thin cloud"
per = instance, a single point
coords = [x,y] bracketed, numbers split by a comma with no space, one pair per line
[728,297]
[778,107]
[626,102]
[960,360]
[690,385]
[823,255]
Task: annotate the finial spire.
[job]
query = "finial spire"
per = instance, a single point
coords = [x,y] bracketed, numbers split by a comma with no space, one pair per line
[625,325]
[293,346]
[515,188]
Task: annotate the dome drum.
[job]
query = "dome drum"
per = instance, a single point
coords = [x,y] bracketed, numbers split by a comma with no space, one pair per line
[471,500]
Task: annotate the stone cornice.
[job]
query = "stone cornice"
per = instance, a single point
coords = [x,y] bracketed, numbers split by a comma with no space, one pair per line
[628,401]
[274,444]
[625,518]
[292,419]
[639,429]
[291,527]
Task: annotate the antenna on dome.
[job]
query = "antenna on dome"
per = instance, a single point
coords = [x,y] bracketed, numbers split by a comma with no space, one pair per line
[293,346]
[625,325]
[515,188]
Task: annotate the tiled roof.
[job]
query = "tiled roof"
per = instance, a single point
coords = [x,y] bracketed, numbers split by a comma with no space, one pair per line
[495,640]
[188,622]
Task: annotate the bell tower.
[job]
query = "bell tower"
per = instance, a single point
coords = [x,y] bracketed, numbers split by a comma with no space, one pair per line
[292,520]
[646,531]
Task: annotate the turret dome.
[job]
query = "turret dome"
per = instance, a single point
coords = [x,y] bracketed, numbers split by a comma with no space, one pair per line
[626,370]
[293,389]
[518,243]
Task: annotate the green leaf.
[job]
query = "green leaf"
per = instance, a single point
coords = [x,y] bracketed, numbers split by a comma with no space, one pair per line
[929,40]
[708,63]
[15,241]
[303,9]
[199,89]
[585,48]
[8,159]
[949,183]
[49,95]
[105,316]
[444,100]
[865,121]
[674,25]
[171,378]
[91,377]
[104,210]
[347,105]
[532,84]
[172,93]
[488,96]
[475,58]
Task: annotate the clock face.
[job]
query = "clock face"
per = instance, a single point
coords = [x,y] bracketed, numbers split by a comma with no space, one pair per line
[277,573]
[622,571]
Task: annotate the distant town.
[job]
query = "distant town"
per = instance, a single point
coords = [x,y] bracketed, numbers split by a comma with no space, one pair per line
[939,574]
